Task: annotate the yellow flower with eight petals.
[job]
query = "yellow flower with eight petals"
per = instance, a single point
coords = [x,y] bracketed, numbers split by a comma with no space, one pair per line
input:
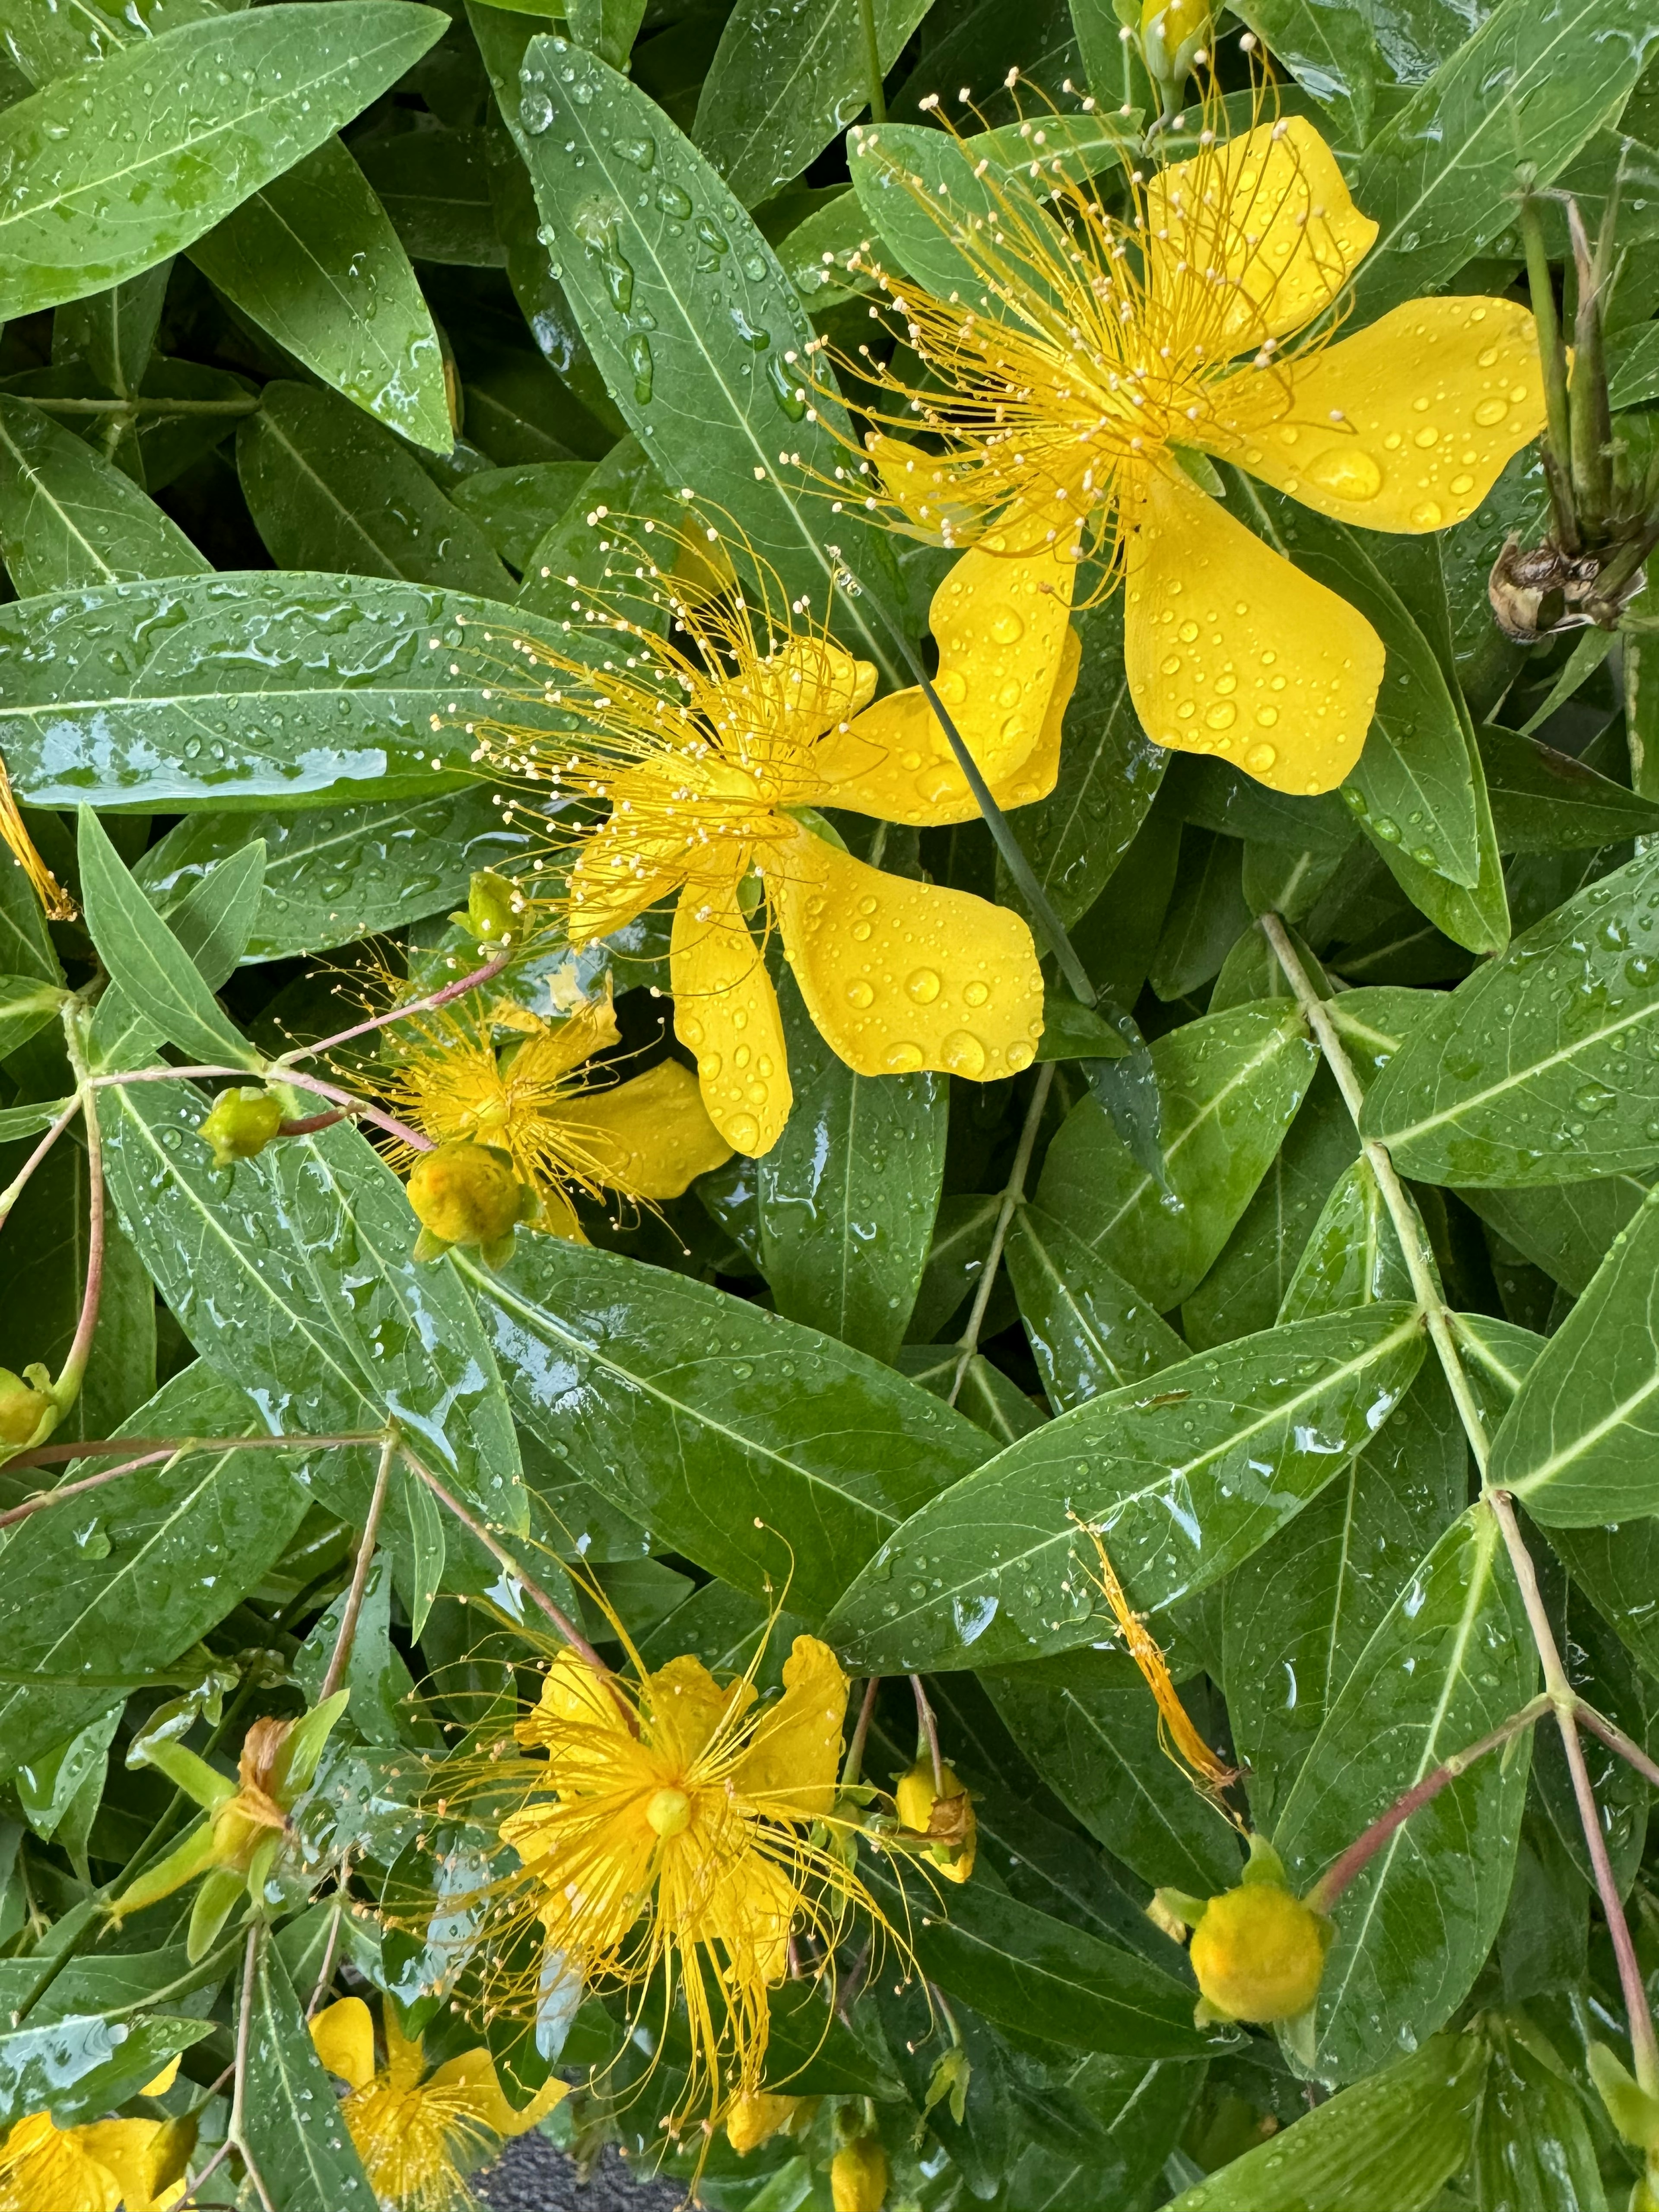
[1095,350]
[503,1077]
[419,2134]
[711,762]
[674,1835]
[98,2167]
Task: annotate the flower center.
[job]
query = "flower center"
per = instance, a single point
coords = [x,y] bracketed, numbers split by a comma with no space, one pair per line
[669,1812]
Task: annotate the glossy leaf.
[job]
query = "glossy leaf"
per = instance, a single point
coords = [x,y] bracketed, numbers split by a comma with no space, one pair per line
[1089,1331]
[434,185]
[1395,2139]
[1543,801]
[81,2065]
[714,1422]
[711,398]
[1452,1659]
[329,488]
[218,690]
[848,1193]
[781,87]
[1576,1446]
[295,2128]
[516,508]
[87,208]
[100,1594]
[1543,1061]
[69,519]
[1184,1480]
[1533,2151]
[1563,1227]
[1229,1085]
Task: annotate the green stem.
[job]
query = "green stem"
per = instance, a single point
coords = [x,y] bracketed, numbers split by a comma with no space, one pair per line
[872,76]
[249,405]
[1552,354]
[1013,1191]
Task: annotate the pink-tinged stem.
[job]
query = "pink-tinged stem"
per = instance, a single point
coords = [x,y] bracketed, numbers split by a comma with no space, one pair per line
[55,1455]
[340,1657]
[13,1190]
[1616,1740]
[429,1004]
[855,1767]
[309,1124]
[538,1596]
[1335,1879]
[1644,2047]
[69,1490]
[401,1130]
[67,1388]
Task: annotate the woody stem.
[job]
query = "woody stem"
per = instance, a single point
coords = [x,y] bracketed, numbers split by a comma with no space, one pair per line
[340,1657]
[853,1768]
[13,1190]
[1331,1884]
[392,1127]
[433,1000]
[234,2133]
[1439,1321]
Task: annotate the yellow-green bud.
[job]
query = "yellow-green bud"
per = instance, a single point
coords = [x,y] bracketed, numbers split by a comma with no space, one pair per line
[756,2116]
[242,1123]
[1259,1952]
[465,1194]
[1173,34]
[24,1404]
[858,2176]
[946,1813]
[493,908]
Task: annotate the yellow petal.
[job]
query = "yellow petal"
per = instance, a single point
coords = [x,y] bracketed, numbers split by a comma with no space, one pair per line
[1230,650]
[1251,239]
[922,489]
[1038,774]
[1001,620]
[404,2062]
[554,1048]
[1432,400]
[795,1758]
[899,976]
[616,876]
[650,1137]
[344,2034]
[573,1701]
[164,2081]
[125,2150]
[749,1910]
[558,1216]
[685,1706]
[470,2083]
[726,1012]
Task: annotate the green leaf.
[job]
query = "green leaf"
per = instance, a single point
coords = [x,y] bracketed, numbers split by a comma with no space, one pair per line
[1184,1482]
[1533,2151]
[1541,1065]
[113,331]
[962,1239]
[1299,1614]
[211,923]
[334,874]
[1563,1227]
[516,508]
[1532,84]
[313,259]
[1205,918]
[781,87]
[1543,801]
[848,1193]
[26,1006]
[606,27]
[1109,775]
[1452,1659]
[1617,1568]
[991,1399]
[1576,1444]
[1334,55]
[311,687]
[1353,1255]
[1040,1977]
[1089,1331]
[146,959]
[329,488]
[1088,1724]
[80,2066]
[1247,1286]
[1230,1086]
[292,1272]
[1394,2140]
[723,1428]
[69,519]
[90,208]
[295,2126]
[1071,1030]
[121,1583]
[644,233]
[434,184]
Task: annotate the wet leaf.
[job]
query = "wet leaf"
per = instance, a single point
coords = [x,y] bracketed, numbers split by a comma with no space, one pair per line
[295,2128]
[1089,1331]
[69,519]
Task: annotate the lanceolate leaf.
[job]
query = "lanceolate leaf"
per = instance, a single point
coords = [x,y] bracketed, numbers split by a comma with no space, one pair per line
[701,336]
[295,2128]
[1579,1443]
[69,519]
[1185,1474]
[1453,1658]
[769,1453]
[1089,1331]
[189,124]
[1541,1068]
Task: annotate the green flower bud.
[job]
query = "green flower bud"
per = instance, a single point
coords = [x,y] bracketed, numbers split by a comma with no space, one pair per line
[26,1401]
[465,1194]
[1173,34]
[1259,1953]
[493,908]
[241,1124]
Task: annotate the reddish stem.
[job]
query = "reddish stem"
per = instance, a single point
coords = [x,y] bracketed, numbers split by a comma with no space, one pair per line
[430,1003]
[310,1122]
[89,1482]
[401,1130]
[930,1730]
[1616,1740]
[14,1189]
[55,1455]
[340,1657]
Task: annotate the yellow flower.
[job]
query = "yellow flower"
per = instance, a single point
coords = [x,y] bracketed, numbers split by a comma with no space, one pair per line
[711,761]
[1096,352]
[419,2134]
[942,1811]
[95,2168]
[676,1829]
[508,1081]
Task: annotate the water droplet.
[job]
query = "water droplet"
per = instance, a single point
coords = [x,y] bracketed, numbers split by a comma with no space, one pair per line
[535,113]
[923,985]
[963,1054]
[859,992]
[902,1058]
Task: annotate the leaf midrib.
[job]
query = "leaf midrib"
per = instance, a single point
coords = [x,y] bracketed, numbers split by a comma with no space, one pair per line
[1514,1081]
